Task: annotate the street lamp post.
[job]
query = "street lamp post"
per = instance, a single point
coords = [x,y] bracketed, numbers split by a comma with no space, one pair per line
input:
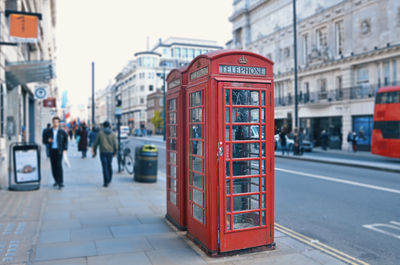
[93,110]
[296,118]
[164,103]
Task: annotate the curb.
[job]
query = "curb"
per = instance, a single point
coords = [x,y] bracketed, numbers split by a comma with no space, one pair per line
[342,163]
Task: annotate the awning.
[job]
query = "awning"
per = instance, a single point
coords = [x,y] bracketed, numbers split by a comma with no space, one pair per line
[19,73]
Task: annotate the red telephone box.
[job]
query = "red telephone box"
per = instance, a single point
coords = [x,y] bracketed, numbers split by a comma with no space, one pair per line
[175,129]
[229,150]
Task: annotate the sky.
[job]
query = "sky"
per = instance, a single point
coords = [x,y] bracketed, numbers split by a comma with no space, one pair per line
[108,33]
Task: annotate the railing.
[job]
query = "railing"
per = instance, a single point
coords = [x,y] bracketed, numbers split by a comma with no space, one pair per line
[317,97]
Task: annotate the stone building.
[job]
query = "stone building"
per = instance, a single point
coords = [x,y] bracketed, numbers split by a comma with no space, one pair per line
[346,50]
[145,73]
[23,67]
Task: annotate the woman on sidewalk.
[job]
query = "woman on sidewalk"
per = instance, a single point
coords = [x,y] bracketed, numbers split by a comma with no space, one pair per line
[83,143]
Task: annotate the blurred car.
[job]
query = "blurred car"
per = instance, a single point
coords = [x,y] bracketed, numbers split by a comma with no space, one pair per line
[124,132]
[289,143]
[138,133]
[307,144]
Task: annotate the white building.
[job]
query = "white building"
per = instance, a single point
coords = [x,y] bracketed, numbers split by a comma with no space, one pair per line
[144,75]
[346,50]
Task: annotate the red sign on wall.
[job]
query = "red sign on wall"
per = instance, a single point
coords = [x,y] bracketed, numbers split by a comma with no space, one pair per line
[50,103]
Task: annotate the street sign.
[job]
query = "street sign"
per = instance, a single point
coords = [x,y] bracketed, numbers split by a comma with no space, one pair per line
[40,92]
[118,111]
[50,103]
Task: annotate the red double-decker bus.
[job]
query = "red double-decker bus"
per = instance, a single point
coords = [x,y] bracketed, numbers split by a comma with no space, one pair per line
[386,131]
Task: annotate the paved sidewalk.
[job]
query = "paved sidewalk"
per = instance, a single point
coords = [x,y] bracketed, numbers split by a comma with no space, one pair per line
[123,224]
[340,157]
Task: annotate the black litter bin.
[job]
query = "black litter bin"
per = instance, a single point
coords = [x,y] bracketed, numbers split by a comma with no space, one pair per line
[146,157]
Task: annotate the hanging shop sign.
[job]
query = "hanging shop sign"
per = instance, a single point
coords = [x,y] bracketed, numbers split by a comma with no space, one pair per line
[40,92]
[50,103]
[24,27]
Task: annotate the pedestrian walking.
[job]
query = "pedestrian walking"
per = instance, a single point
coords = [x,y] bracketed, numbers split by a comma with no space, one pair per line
[350,141]
[282,141]
[70,133]
[107,143]
[83,141]
[57,140]
[45,132]
[354,142]
[92,135]
[324,140]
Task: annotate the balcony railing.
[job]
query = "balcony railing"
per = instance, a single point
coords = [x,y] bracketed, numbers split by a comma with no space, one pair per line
[318,97]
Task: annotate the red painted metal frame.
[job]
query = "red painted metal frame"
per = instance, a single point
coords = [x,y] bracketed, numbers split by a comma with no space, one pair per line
[212,234]
[176,213]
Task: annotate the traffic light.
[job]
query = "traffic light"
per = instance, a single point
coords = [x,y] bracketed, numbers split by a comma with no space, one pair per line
[118,101]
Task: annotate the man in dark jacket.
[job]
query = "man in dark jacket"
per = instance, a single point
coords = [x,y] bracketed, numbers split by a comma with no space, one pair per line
[57,141]
[107,142]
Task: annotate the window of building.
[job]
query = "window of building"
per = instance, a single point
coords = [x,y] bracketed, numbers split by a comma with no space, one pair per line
[151,75]
[322,38]
[339,87]
[161,102]
[141,75]
[394,72]
[184,53]
[304,53]
[191,53]
[177,52]
[141,88]
[141,100]
[323,93]
[362,90]
[339,37]
[197,52]
[151,87]
[286,52]
[386,73]
[379,80]
[306,92]
[165,51]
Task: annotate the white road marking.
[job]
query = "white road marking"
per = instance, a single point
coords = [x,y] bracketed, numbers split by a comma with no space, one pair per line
[354,183]
[393,226]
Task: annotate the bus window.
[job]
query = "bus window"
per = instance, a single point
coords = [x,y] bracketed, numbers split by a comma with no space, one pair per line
[388,97]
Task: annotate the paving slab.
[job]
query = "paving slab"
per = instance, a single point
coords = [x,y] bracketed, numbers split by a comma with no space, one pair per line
[78,261]
[120,259]
[90,233]
[175,256]
[54,236]
[90,221]
[166,241]
[143,229]
[122,245]
[65,250]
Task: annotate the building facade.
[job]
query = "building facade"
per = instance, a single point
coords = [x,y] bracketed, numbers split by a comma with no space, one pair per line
[155,103]
[346,50]
[23,68]
[145,74]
